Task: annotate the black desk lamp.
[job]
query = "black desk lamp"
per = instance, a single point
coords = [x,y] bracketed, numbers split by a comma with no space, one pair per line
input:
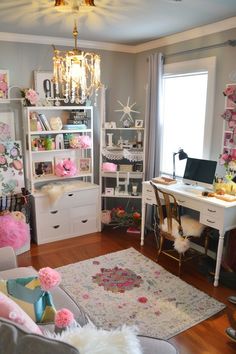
[182,156]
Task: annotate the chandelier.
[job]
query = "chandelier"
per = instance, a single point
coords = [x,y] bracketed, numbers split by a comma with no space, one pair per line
[76,74]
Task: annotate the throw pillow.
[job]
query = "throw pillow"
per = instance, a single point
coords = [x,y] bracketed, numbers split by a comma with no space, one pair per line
[11,311]
[90,340]
[27,293]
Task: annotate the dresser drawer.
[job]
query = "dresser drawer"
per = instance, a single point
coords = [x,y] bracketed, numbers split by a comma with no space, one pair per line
[85,211]
[67,200]
[84,225]
[49,233]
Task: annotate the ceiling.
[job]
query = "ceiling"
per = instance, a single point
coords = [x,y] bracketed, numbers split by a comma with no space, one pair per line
[128,22]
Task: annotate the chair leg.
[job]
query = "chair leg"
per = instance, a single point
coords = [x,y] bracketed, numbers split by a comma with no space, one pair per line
[180,263]
[160,246]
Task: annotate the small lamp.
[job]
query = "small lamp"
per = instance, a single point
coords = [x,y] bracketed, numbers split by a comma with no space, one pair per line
[182,156]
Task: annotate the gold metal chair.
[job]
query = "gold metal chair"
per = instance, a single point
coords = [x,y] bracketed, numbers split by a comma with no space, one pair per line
[172,226]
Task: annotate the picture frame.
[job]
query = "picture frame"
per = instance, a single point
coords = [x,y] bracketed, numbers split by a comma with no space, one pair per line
[4,86]
[229,104]
[138,123]
[109,191]
[84,165]
[7,126]
[43,168]
[43,84]
[12,167]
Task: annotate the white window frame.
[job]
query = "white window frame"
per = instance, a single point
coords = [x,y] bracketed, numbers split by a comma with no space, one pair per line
[196,66]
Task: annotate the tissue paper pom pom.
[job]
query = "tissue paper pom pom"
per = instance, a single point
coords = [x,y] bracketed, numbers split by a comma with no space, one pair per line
[13,232]
[64,318]
[181,244]
[49,278]
[65,168]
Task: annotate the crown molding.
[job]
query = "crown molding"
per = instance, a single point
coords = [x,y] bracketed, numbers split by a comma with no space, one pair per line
[197,32]
[65,42]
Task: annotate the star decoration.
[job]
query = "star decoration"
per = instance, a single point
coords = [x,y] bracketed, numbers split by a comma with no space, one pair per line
[127,110]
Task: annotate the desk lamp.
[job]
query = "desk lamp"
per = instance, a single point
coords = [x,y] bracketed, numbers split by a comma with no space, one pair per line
[182,156]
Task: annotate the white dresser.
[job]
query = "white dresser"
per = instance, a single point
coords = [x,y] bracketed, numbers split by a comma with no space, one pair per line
[75,213]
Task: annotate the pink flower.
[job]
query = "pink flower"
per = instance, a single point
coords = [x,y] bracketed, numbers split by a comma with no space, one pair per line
[32,96]
[64,318]
[142,299]
[229,91]
[49,278]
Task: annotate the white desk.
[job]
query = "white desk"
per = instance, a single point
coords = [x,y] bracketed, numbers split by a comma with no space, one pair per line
[214,212]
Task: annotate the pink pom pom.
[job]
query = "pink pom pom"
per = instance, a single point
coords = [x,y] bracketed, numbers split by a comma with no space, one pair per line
[64,318]
[14,233]
[49,278]
[65,168]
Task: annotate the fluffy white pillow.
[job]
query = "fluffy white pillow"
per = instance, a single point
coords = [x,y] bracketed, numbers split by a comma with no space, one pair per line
[91,340]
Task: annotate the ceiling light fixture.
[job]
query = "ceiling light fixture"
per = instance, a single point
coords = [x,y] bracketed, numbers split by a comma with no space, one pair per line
[76,74]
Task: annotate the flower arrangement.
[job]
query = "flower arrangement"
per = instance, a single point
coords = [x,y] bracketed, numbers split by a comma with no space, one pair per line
[230,164]
[31,97]
[121,217]
[230,93]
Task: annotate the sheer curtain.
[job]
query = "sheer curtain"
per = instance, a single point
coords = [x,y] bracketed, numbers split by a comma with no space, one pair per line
[153,120]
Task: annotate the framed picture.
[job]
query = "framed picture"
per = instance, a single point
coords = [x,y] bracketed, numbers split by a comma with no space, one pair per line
[7,126]
[138,123]
[109,191]
[43,168]
[43,84]
[229,103]
[4,86]
[11,167]
[84,165]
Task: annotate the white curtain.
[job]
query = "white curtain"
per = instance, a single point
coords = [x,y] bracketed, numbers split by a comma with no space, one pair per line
[153,120]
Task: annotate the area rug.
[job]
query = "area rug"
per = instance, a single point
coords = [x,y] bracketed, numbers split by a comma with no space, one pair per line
[127,287]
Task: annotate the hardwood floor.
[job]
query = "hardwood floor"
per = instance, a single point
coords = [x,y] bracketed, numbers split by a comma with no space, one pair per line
[206,337]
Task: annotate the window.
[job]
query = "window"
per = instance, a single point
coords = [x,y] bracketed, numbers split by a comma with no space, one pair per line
[188,93]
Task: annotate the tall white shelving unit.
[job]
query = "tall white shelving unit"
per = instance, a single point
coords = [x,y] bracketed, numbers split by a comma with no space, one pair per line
[75,211]
[125,149]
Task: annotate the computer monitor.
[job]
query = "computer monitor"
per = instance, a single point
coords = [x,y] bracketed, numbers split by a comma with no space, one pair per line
[199,172]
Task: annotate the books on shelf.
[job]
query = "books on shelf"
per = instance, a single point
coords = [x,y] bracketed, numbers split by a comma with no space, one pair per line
[44,122]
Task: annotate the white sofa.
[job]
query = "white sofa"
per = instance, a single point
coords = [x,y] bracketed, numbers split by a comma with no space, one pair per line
[13,340]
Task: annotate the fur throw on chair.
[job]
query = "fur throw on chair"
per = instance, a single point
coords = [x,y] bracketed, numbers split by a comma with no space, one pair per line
[191,227]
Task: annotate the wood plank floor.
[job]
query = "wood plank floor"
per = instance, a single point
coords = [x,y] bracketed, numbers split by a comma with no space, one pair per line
[206,337]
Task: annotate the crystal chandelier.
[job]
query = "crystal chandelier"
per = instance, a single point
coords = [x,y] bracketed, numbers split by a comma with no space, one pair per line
[76,74]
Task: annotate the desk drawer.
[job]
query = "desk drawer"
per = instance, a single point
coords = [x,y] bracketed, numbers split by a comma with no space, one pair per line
[211,221]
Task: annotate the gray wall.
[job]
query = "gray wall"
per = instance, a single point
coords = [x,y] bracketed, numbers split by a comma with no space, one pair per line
[225,64]
[126,74]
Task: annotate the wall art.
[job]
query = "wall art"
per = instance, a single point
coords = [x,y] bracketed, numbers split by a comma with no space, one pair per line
[11,167]
[7,126]
[4,86]
[43,84]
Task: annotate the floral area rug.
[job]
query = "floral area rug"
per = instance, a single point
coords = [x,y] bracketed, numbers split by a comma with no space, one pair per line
[126,287]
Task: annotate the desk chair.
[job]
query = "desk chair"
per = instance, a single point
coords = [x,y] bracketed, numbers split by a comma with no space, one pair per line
[172,226]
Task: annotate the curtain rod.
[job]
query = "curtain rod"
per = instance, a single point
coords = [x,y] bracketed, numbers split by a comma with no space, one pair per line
[230,42]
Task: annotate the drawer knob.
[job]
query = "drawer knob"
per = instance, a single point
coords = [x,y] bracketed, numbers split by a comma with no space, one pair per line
[56,226]
[70,195]
[211,211]
[210,221]
[84,221]
[54,211]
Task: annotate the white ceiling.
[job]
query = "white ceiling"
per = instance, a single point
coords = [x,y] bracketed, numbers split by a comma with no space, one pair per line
[129,22]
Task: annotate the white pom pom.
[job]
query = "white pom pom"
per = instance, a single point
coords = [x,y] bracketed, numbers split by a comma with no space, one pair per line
[181,244]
